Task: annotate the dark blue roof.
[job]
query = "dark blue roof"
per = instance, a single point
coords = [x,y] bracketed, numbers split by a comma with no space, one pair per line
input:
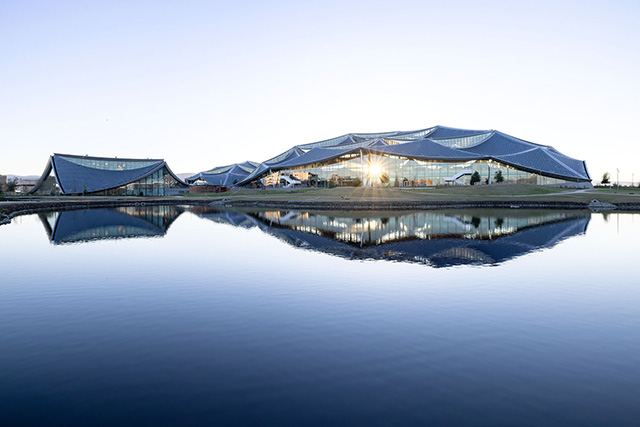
[315,155]
[377,144]
[538,160]
[227,175]
[437,145]
[447,132]
[426,149]
[74,178]
[499,144]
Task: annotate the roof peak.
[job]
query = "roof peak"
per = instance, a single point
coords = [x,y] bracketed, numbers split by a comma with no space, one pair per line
[86,156]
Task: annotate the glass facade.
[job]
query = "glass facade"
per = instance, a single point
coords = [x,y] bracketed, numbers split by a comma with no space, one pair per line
[111,164]
[159,183]
[391,171]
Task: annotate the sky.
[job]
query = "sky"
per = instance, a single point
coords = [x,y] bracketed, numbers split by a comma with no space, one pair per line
[206,83]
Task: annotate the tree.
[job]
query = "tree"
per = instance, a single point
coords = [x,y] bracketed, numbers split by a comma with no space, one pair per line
[498,176]
[475,178]
[605,178]
[12,184]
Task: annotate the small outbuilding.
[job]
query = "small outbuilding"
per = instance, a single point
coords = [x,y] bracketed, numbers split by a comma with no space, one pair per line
[220,178]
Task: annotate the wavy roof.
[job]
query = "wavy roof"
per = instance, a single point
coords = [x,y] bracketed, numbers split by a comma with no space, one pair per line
[440,143]
[526,155]
[73,177]
[425,148]
[225,176]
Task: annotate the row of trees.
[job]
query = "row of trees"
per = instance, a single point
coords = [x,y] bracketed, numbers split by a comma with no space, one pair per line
[606,179]
[10,186]
[497,177]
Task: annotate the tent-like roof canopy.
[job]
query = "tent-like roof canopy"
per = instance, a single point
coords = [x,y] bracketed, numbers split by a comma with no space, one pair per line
[225,176]
[438,143]
[78,174]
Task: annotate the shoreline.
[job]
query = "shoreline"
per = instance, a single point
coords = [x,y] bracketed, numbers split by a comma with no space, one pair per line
[13,208]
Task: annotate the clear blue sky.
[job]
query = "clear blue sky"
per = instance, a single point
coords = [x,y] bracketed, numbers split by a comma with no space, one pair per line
[202,83]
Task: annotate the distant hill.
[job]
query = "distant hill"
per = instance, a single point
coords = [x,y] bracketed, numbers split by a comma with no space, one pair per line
[11,176]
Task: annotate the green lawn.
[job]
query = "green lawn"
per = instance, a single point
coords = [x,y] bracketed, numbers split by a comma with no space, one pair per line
[496,192]
[464,193]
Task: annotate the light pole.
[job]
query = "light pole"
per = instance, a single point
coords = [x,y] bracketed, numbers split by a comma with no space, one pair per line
[618,179]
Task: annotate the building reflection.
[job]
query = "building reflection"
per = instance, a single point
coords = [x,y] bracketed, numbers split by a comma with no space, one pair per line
[114,223]
[438,238]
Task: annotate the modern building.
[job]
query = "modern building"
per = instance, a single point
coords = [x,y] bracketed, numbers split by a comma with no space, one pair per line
[25,185]
[70,174]
[221,178]
[434,156]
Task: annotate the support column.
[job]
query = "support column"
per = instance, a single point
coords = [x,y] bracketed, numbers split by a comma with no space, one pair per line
[362,169]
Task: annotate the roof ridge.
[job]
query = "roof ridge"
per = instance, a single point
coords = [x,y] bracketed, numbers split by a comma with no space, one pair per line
[76,156]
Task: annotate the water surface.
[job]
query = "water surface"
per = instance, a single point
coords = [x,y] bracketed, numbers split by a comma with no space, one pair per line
[176,315]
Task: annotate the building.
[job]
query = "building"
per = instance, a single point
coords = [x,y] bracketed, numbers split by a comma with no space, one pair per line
[3,182]
[25,185]
[220,178]
[70,174]
[434,156]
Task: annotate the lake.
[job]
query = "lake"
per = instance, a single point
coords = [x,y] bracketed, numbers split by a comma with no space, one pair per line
[195,316]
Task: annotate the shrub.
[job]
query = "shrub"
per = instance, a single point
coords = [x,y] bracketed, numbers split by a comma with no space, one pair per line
[11,186]
[475,178]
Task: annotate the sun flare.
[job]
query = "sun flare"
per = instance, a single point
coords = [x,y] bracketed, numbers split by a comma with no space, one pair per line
[375,171]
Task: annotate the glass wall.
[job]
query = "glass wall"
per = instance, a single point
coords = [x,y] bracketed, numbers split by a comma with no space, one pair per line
[392,171]
[512,175]
[111,165]
[345,171]
[159,183]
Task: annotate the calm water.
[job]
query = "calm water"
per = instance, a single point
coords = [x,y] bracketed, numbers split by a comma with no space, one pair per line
[194,316]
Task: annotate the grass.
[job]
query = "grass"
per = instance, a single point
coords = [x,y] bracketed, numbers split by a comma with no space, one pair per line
[464,193]
[497,192]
